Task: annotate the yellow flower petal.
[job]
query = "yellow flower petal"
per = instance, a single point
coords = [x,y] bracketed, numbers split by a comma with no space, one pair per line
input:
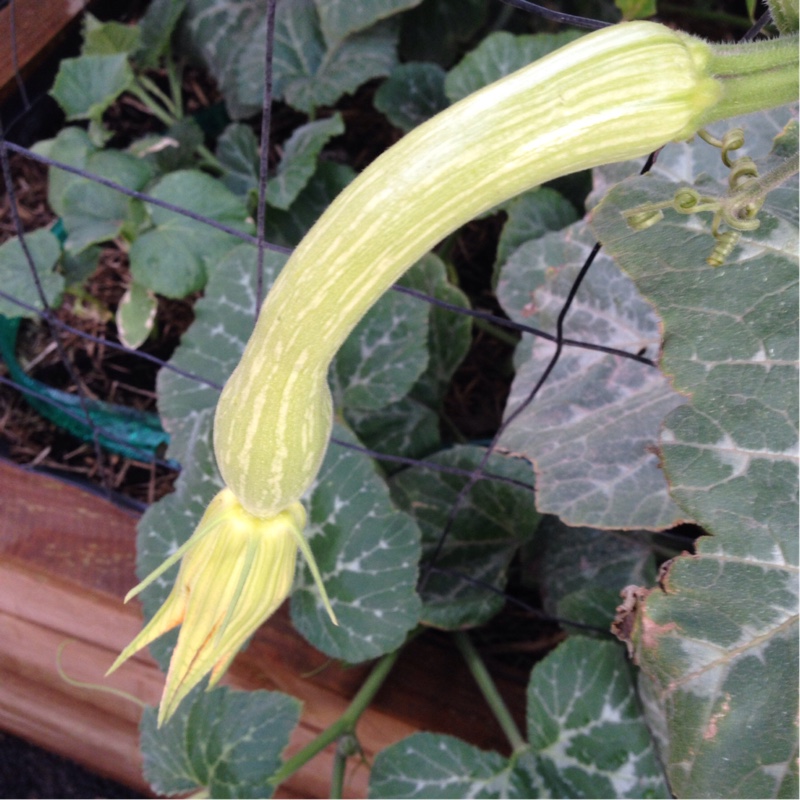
[235,572]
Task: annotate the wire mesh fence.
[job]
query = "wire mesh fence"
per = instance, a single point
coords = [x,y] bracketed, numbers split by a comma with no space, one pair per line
[82,413]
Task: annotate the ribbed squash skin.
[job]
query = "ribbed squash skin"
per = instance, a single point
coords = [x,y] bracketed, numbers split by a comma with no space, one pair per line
[612,95]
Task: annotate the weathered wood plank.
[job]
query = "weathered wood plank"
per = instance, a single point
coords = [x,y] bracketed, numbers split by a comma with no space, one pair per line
[40,26]
[66,560]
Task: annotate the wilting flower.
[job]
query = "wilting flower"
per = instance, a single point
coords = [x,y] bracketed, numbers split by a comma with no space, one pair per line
[236,569]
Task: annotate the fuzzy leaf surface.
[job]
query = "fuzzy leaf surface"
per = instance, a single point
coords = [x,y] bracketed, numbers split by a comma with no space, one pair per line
[288,227]
[432,765]
[86,86]
[384,355]
[16,279]
[368,553]
[409,427]
[591,430]
[586,730]
[582,570]
[225,741]
[310,72]
[237,150]
[173,258]
[492,522]
[719,644]
[340,18]
[299,161]
[586,738]
[412,94]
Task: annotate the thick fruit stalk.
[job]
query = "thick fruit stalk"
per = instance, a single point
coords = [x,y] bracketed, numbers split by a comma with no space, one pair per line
[610,96]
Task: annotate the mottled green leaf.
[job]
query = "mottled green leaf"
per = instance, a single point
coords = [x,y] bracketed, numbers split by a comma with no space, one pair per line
[108,38]
[174,258]
[340,18]
[719,643]
[86,86]
[592,428]
[299,160]
[407,428]
[586,738]
[412,94]
[368,553]
[237,151]
[309,73]
[428,765]
[492,522]
[288,227]
[410,427]
[498,55]
[585,726]
[136,314]
[530,216]
[226,742]
[449,332]
[582,570]
[16,279]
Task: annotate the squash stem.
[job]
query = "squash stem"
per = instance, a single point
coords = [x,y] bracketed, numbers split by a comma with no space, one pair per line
[754,76]
[345,724]
[489,690]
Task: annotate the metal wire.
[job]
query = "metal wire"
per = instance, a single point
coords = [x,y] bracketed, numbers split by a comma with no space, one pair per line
[481,472]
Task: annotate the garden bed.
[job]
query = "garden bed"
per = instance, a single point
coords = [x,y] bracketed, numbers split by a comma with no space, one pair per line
[66,560]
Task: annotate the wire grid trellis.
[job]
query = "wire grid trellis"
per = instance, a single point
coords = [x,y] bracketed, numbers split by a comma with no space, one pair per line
[58,328]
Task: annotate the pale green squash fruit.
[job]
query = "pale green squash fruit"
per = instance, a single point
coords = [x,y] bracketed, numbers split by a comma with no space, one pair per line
[612,95]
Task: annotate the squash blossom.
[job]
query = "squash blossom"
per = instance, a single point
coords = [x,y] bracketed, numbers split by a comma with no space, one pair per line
[236,569]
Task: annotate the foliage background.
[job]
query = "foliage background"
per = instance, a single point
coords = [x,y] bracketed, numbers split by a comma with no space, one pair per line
[621,450]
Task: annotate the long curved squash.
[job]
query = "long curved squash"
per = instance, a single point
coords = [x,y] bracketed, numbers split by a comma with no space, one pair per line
[612,95]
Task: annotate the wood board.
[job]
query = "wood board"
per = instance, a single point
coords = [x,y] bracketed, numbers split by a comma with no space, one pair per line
[38,27]
[67,558]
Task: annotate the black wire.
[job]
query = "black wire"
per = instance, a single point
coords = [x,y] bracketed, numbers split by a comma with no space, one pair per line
[557,16]
[146,198]
[21,88]
[518,326]
[473,476]
[536,612]
[758,26]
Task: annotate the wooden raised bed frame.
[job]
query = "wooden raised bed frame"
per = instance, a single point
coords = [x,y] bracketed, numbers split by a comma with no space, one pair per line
[66,560]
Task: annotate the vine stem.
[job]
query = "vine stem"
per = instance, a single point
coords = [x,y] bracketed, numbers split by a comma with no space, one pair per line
[489,690]
[345,724]
[138,90]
